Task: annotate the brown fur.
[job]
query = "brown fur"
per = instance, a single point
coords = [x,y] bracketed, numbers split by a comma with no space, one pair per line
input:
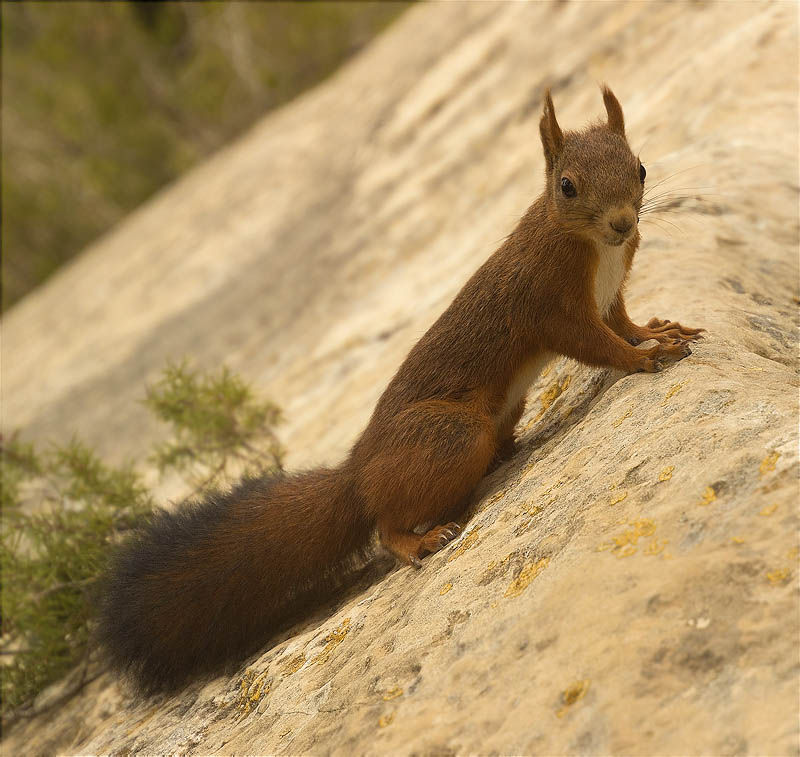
[437,426]
[201,589]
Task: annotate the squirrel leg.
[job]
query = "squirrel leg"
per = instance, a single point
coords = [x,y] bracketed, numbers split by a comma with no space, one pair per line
[666,332]
[409,547]
[431,458]
[593,342]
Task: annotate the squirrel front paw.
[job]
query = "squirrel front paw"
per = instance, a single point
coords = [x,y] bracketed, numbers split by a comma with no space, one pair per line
[666,332]
[654,359]
[671,330]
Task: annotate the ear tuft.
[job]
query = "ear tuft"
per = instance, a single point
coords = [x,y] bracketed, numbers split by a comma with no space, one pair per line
[550,131]
[616,121]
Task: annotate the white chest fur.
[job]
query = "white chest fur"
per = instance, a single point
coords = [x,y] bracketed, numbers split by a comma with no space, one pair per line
[521,382]
[609,276]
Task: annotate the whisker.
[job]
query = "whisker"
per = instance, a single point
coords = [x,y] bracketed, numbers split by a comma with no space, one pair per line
[675,206]
[675,202]
[657,223]
[672,190]
[675,225]
[672,205]
[673,174]
[691,195]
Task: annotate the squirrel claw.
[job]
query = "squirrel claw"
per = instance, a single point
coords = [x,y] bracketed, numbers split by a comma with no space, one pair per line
[415,562]
[437,538]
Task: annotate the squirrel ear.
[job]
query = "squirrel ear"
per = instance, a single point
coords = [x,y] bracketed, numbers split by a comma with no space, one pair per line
[552,138]
[616,121]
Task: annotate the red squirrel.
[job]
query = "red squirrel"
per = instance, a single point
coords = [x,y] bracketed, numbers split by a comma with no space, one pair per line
[210,582]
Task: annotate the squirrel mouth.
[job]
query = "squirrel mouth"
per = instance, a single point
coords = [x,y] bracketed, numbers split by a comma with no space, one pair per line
[612,241]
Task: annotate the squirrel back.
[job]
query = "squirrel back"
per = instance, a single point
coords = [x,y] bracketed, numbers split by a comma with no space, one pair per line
[209,583]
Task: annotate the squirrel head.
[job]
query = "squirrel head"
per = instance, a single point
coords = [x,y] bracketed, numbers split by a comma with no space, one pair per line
[594,181]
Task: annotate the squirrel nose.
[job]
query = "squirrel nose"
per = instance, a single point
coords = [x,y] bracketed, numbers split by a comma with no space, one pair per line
[621,225]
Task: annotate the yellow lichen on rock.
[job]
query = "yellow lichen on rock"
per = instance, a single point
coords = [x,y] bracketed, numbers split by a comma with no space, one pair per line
[625,544]
[466,543]
[778,576]
[666,474]
[496,497]
[768,510]
[251,689]
[549,396]
[527,574]
[619,498]
[768,464]
[294,664]
[618,422]
[709,495]
[673,390]
[445,589]
[557,485]
[243,699]
[333,639]
[385,720]
[656,547]
[573,694]
[393,694]
[529,509]
[494,564]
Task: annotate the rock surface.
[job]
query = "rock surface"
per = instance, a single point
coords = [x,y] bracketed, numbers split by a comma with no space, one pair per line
[627,584]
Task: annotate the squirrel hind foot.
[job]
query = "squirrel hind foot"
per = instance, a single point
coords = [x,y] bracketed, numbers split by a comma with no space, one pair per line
[439,537]
[410,548]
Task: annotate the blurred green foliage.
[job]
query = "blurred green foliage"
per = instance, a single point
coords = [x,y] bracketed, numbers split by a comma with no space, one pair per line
[211,415]
[103,103]
[63,510]
[51,557]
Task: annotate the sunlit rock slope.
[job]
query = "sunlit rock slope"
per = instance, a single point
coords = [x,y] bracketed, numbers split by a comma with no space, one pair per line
[627,584]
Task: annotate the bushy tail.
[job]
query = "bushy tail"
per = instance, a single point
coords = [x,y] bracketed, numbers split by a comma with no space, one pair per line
[208,583]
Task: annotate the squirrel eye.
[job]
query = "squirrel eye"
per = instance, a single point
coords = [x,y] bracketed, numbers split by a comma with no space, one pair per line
[568,188]
[642,173]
